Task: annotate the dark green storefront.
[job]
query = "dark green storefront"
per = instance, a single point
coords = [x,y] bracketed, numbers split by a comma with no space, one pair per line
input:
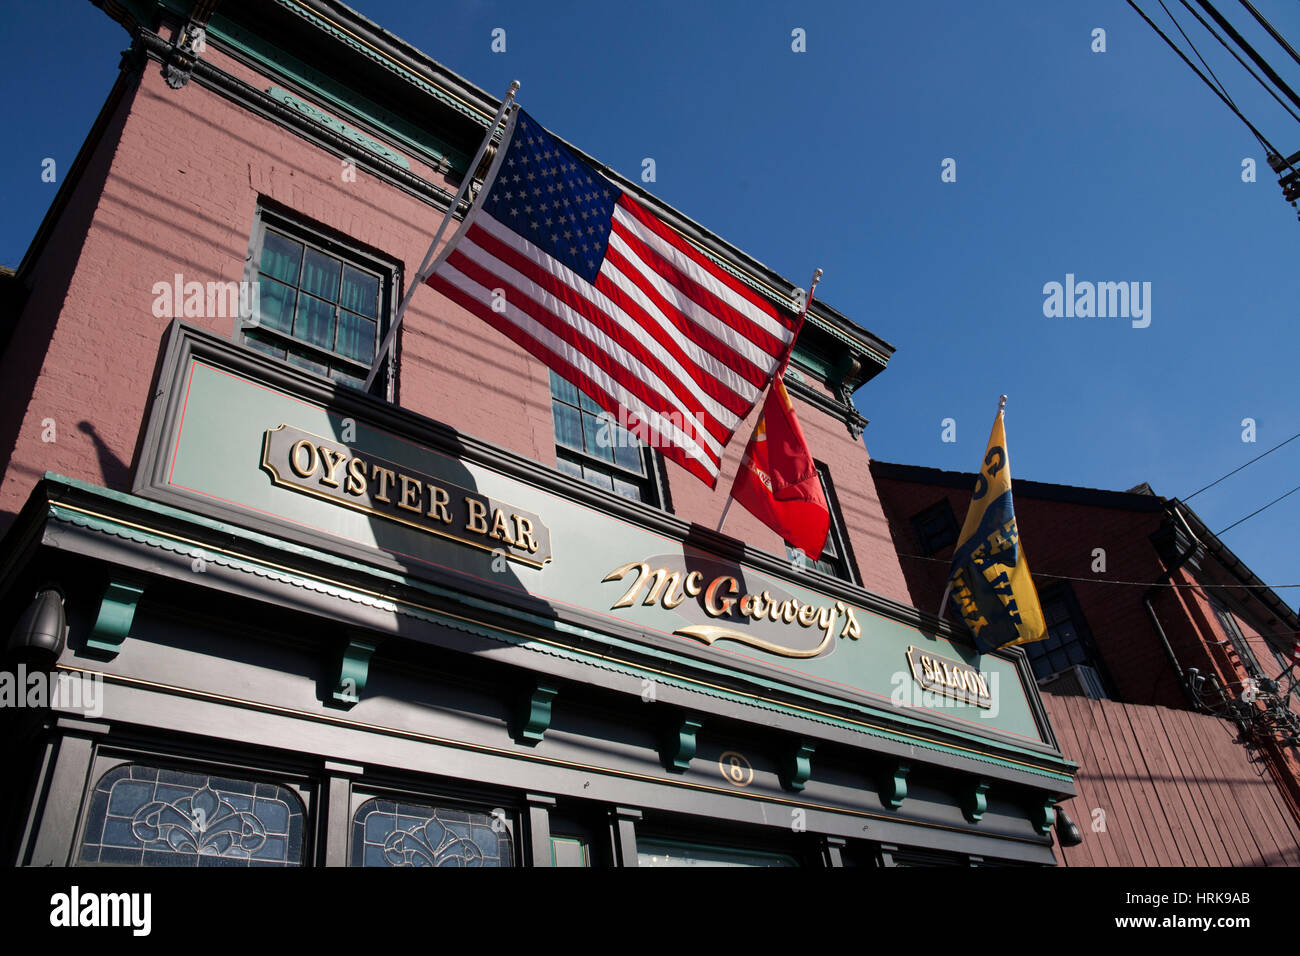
[475,661]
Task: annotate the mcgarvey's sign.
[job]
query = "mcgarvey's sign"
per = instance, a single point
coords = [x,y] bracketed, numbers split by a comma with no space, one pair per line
[329,470]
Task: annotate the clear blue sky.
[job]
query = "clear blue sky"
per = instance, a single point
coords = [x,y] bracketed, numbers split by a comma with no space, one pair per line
[1114,166]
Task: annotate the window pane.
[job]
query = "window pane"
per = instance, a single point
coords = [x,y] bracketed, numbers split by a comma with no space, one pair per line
[665,853]
[597,478]
[149,816]
[568,429]
[1058,660]
[356,337]
[598,437]
[320,275]
[387,833]
[360,292]
[1076,654]
[276,302]
[627,489]
[302,360]
[281,257]
[315,323]
[344,377]
[256,340]
[587,404]
[563,390]
[627,451]
[569,467]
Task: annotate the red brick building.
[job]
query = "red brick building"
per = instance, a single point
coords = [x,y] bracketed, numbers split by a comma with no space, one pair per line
[1144,606]
[340,682]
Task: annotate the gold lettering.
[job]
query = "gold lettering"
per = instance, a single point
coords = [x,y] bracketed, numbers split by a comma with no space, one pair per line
[330,461]
[851,626]
[807,614]
[748,605]
[826,620]
[411,493]
[356,483]
[712,606]
[694,584]
[789,609]
[500,530]
[477,514]
[982,687]
[927,669]
[311,458]
[385,476]
[618,574]
[438,501]
[524,534]
[664,584]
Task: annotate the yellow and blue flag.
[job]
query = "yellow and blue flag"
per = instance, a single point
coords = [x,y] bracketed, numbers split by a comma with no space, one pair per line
[989,580]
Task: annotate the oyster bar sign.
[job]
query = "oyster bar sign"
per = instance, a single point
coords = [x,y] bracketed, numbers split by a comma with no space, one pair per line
[322,468]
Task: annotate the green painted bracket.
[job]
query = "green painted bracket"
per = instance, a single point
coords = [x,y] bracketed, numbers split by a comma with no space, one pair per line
[354,670]
[893,790]
[116,612]
[797,766]
[535,713]
[1044,817]
[974,801]
[678,745]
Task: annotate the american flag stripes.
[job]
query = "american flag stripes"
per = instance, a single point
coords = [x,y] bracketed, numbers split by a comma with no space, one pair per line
[584,278]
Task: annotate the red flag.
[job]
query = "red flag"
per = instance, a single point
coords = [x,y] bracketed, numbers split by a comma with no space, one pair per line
[778,482]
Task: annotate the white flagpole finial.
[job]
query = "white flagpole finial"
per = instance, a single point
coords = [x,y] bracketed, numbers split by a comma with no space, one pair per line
[1002,404]
[514,88]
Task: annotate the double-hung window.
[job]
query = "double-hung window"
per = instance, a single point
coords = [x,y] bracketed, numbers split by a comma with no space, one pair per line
[590,444]
[322,303]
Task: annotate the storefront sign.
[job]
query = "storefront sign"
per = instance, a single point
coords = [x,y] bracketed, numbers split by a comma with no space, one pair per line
[772,623]
[330,470]
[950,678]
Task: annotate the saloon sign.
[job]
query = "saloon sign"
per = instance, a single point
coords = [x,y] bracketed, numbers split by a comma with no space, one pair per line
[772,622]
[326,469]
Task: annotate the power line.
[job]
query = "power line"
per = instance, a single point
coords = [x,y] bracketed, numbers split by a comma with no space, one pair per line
[1267,506]
[1236,56]
[1263,21]
[1259,61]
[1192,66]
[1235,470]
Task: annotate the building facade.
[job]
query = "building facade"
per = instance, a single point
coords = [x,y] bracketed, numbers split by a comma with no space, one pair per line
[1147,608]
[457,619]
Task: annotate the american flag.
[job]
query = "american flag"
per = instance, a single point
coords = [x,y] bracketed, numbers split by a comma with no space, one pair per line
[613,300]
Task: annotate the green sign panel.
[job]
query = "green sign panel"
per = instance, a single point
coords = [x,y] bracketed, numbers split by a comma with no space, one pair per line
[241,444]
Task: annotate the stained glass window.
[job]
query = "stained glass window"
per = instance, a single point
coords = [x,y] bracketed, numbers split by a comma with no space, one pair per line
[151,816]
[389,833]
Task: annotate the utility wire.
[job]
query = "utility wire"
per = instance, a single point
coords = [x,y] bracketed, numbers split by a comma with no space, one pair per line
[1246,66]
[1259,61]
[1223,89]
[1235,470]
[1182,56]
[1271,32]
[1257,511]
[1098,579]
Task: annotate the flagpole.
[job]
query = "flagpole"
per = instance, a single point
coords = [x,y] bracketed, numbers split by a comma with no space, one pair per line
[780,371]
[943,604]
[418,278]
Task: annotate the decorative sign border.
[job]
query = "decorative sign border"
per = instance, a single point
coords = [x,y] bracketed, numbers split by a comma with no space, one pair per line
[957,680]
